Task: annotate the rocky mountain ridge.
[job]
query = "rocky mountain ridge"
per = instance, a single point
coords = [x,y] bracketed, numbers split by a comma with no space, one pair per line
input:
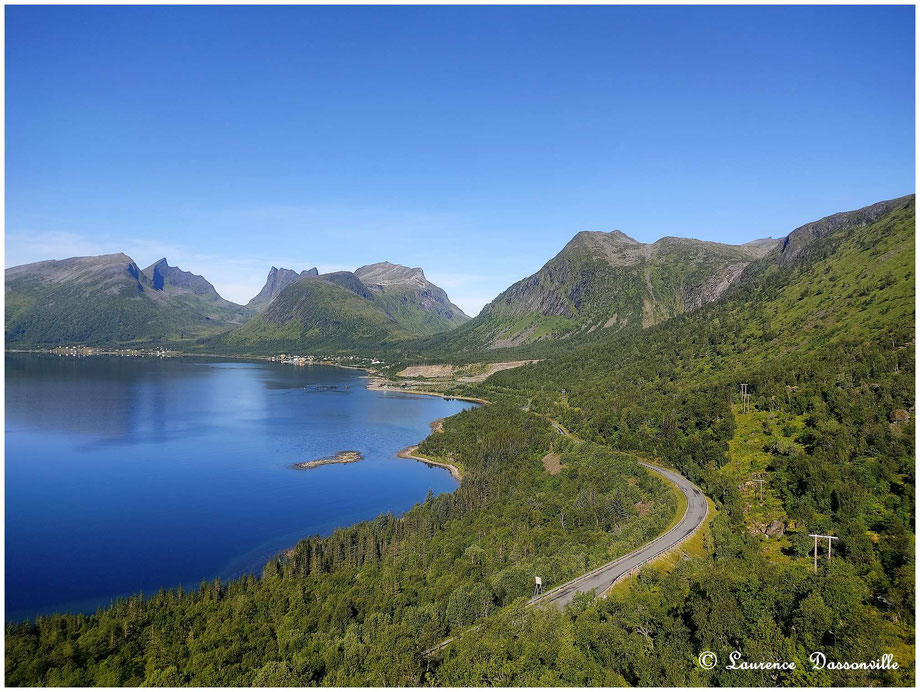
[604,280]
[277,281]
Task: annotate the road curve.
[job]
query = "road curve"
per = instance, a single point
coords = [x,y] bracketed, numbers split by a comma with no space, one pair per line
[603,577]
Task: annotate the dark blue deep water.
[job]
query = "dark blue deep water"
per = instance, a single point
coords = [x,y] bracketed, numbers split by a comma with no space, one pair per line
[125,475]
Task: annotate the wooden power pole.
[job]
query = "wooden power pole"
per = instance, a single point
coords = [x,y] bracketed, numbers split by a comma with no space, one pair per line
[816,536]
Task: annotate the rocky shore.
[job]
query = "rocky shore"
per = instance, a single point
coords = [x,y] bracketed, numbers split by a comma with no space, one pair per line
[346,457]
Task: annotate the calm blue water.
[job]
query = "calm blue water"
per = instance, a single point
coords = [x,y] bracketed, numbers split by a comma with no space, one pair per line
[129,474]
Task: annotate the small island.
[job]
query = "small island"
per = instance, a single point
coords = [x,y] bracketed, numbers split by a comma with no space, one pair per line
[346,457]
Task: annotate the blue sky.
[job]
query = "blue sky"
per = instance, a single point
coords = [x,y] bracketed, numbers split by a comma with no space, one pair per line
[471,141]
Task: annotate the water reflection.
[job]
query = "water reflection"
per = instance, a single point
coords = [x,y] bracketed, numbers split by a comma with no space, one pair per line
[128,474]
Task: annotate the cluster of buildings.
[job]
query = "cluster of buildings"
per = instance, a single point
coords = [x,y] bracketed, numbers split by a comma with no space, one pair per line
[80,351]
[354,361]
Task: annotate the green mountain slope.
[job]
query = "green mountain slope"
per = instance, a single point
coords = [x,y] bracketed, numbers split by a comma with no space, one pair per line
[194,292]
[340,312]
[822,330]
[108,300]
[607,281]
[329,312]
[408,297]
[854,285]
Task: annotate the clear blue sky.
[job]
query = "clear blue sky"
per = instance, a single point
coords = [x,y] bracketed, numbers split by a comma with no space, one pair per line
[471,141]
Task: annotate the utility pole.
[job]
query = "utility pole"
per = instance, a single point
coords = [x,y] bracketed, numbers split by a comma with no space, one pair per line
[816,536]
[759,481]
[745,398]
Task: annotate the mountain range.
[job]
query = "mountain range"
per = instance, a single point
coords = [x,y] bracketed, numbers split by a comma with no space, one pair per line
[109,300]
[599,283]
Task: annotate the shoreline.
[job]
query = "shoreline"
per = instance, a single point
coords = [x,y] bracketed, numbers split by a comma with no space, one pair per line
[409,453]
[375,383]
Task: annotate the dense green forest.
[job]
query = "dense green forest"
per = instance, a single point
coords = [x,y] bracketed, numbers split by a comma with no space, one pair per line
[825,341]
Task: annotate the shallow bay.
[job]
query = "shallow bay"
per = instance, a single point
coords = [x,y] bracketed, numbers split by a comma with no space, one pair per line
[131,474]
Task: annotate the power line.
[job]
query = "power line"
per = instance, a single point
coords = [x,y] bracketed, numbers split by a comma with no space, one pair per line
[816,536]
[745,398]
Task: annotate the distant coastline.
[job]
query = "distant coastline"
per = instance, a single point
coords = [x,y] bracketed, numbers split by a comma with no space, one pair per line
[375,382]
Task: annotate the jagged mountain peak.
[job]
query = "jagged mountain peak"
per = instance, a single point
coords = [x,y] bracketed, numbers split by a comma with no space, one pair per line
[375,304]
[278,279]
[175,281]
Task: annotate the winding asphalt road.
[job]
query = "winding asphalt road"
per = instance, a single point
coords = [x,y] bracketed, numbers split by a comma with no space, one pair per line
[603,577]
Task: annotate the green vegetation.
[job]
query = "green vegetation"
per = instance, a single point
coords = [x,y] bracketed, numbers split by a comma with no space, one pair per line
[336,313]
[402,304]
[826,344]
[108,300]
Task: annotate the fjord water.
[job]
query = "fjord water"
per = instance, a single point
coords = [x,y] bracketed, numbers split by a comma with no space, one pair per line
[130,474]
